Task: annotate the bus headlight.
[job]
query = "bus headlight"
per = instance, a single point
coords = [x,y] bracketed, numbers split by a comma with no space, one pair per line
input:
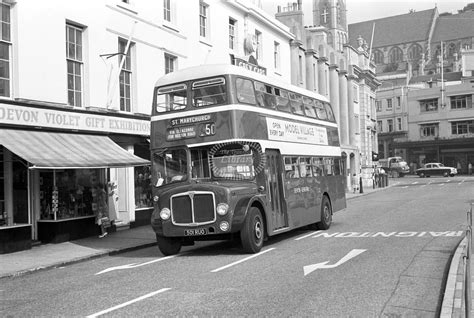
[224,226]
[165,214]
[222,208]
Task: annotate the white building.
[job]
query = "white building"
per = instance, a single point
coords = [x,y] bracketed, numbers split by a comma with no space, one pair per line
[76,80]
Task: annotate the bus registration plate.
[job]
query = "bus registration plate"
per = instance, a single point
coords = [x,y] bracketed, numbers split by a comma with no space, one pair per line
[195,232]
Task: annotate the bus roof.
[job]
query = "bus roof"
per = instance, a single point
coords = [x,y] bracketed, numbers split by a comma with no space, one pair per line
[210,70]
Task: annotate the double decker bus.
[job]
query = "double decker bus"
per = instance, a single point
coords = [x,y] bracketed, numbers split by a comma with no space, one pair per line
[238,155]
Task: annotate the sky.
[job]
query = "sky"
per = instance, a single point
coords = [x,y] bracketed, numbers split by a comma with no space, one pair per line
[364,10]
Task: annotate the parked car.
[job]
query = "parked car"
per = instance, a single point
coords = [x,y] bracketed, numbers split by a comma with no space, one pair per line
[436,169]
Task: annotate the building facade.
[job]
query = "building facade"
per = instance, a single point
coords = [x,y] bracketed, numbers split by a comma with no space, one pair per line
[441,126]
[75,109]
[324,61]
[426,45]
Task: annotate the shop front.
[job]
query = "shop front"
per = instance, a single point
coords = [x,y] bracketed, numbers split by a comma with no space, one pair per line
[54,183]
[455,152]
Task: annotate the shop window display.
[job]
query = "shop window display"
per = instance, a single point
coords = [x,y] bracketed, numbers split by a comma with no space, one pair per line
[143,197]
[72,193]
[14,191]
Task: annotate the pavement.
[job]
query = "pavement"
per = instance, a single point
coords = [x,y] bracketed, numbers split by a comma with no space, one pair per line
[46,256]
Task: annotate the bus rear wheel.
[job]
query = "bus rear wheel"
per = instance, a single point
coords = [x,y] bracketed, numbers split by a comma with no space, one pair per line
[168,245]
[326,214]
[253,231]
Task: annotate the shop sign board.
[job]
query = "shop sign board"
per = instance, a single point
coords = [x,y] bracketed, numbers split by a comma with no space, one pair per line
[51,118]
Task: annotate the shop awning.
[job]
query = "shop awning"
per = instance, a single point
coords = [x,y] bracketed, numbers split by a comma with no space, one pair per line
[51,150]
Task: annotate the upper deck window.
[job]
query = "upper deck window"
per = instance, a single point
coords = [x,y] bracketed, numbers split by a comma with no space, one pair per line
[282,100]
[329,112]
[309,107]
[265,97]
[209,92]
[245,91]
[321,111]
[171,98]
[296,104]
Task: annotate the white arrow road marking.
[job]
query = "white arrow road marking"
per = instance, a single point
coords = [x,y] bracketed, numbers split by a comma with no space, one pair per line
[307,235]
[133,265]
[242,260]
[97,314]
[310,268]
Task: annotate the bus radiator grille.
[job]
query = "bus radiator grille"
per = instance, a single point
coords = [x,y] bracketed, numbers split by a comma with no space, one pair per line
[193,208]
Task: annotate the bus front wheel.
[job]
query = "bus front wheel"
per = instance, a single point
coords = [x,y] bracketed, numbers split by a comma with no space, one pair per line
[168,245]
[253,230]
[326,214]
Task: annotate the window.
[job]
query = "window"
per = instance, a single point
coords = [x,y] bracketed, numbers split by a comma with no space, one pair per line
[232,33]
[276,55]
[379,126]
[171,98]
[143,192]
[378,105]
[355,93]
[429,130]
[389,103]
[209,92]
[70,193]
[3,212]
[399,101]
[264,94]
[414,52]
[461,102]
[203,19]
[395,55]
[325,15]
[282,100]
[399,124]
[390,125]
[429,105]
[378,57]
[318,167]
[300,69]
[296,101]
[291,168]
[170,63]
[462,127]
[74,65]
[321,111]
[125,80]
[5,47]
[329,112]
[451,50]
[309,107]
[167,10]
[258,50]
[245,91]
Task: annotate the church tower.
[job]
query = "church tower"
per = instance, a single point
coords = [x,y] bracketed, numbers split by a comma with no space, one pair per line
[332,14]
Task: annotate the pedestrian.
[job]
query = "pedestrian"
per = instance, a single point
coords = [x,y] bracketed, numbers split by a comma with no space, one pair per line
[102,217]
[469,168]
[458,167]
[355,183]
[113,201]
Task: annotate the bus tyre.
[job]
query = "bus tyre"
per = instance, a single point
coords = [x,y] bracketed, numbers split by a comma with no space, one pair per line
[253,231]
[326,214]
[168,245]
